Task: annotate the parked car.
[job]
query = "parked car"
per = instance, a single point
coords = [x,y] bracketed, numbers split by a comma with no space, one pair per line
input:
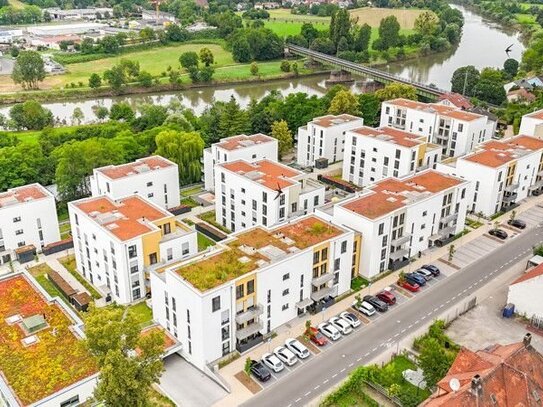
[520,224]
[409,286]
[316,337]
[341,325]
[272,362]
[427,274]
[285,355]
[296,347]
[365,308]
[379,305]
[417,278]
[351,319]
[432,269]
[329,331]
[499,233]
[387,296]
[260,371]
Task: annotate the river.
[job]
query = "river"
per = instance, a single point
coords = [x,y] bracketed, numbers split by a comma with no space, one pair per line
[483,44]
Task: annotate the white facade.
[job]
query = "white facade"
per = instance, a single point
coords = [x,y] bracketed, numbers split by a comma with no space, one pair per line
[28,216]
[532,124]
[525,293]
[262,193]
[398,218]
[374,154]
[249,148]
[117,242]
[154,178]
[324,137]
[502,172]
[284,276]
[65,29]
[455,130]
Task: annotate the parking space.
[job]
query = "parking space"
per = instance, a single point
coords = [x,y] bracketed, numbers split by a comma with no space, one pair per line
[533,216]
[467,254]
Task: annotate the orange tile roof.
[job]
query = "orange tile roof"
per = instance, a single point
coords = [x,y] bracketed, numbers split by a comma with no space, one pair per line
[457,99]
[265,172]
[331,120]
[533,273]
[497,153]
[243,141]
[137,167]
[391,194]
[391,135]
[510,375]
[442,110]
[126,219]
[22,194]
[538,114]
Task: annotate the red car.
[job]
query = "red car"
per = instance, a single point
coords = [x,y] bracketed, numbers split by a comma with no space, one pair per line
[387,296]
[316,337]
[413,287]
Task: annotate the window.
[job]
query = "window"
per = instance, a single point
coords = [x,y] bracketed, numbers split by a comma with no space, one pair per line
[216,304]
[222,177]
[316,200]
[463,195]
[132,252]
[149,184]
[16,219]
[19,232]
[250,287]
[424,213]
[166,228]
[286,276]
[284,307]
[343,246]
[264,197]
[337,264]
[381,228]
[239,291]
[316,257]
[169,254]
[285,292]
[225,348]
[185,249]
[324,254]
[134,269]
[254,205]
[71,402]
[281,213]
[225,332]
[153,258]
[150,195]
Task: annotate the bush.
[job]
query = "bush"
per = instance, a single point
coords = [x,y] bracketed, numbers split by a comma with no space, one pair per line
[285,66]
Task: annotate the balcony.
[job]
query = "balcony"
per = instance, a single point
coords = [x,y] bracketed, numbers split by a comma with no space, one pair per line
[320,294]
[398,255]
[446,232]
[511,188]
[251,313]
[401,240]
[509,197]
[249,330]
[449,218]
[322,279]
[536,185]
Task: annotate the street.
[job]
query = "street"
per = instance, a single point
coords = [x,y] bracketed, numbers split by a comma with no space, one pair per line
[321,373]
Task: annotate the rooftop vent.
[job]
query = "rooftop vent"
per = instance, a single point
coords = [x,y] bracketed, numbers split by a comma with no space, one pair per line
[13,319]
[140,169]
[244,259]
[29,340]
[527,340]
[391,199]
[476,384]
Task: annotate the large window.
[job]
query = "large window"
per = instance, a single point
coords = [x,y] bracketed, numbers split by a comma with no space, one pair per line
[239,292]
[132,251]
[216,303]
[250,287]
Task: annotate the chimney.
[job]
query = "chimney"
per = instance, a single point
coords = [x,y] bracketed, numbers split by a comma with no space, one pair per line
[476,384]
[527,339]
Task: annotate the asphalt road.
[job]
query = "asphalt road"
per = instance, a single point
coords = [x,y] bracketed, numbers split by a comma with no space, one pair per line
[329,368]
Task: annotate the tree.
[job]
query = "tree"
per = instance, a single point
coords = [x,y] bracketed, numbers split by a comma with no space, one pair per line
[151,116]
[285,66]
[77,116]
[30,115]
[512,215]
[453,33]
[241,51]
[147,34]
[464,80]
[115,77]
[206,56]
[121,111]
[101,112]
[324,45]
[145,79]
[295,68]
[369,106]
[233,120]
[189,59]
[110,44]
[340,27]
[490,91]
[510,66]
[362,38]
[452,250]
[87,46]
[389,32]
[532,58]
[130,363]
[95,81]
[344,102]
[281,132]
[254,69]
[184,149]
[307,328]
[426,23]
[396,90]
[28,69]
[247,367]
[309,32]
[434,361]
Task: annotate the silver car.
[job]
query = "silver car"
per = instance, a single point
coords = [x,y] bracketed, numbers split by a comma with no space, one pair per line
[285,355]
[341,325]
[272,362]
[329,331]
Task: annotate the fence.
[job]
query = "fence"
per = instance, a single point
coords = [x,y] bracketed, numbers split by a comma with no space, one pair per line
[59,246]
[210,231]
[536,322]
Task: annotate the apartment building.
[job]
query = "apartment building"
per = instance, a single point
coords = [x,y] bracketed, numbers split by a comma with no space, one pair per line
[252,283]
[262,193]
[117,243]
[455,130]
[249,148]
[28,217]
[532,124]
[372,154]
[324,137]
[400,218]
[155,178]
[502,172]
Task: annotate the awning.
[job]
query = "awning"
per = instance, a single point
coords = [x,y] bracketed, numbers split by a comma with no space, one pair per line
[304,303]
[248,331]
[323,279]
[319,295]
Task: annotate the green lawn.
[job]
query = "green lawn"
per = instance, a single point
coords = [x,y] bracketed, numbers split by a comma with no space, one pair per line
[284,14]
[192,191]
[204,242]
[65,230]
[189,202]
[209,217]
[142,312]
[286,28]
[39,272]
[27,136]
[69,264]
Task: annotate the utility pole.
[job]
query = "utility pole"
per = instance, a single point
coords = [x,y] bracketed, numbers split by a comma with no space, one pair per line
[465,83]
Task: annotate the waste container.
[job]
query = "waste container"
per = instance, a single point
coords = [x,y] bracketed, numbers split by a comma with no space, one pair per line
[508,311]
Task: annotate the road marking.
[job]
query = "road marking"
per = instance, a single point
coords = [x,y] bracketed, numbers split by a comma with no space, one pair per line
[297,400]
[316,387]
[342,370]
[403,330]
[351,364]
[334,376]
[325,381]
[359,359]
[410,326]
[307,394]
[374,349]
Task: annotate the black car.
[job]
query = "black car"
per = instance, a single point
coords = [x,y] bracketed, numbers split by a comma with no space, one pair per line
[260,371]
[379,305]
[432,269]
[499,233]
[417,278]
[520,224]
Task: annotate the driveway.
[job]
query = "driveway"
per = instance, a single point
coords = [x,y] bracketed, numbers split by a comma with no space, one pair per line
[188,386]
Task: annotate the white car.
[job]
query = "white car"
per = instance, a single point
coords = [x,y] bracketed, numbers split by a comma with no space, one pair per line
[272,362]
[341,325]
[425,273]
[365,308]
[329,331]
[297,348]
[351,318]
[285,355]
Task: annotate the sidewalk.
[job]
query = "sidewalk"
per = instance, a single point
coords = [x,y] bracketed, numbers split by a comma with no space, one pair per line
[240,394]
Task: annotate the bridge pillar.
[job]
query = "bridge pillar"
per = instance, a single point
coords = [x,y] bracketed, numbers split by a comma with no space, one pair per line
[340,76]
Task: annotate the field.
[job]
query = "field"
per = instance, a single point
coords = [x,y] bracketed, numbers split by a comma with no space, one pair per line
[286,28]
[373,16]
[284,14]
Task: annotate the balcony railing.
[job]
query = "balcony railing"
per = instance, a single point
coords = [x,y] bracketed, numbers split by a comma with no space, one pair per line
[399,254]
[249,314]
[322,279]
[511,188]
[449,218]
[401,240]
[508,198]
[320,294]
[248,330]
[446,232]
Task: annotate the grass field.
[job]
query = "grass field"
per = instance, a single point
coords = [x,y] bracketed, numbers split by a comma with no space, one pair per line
[27,136]
[284,14]
[142,313]
[69,264]
[373,16]
[286,28]
[204,242]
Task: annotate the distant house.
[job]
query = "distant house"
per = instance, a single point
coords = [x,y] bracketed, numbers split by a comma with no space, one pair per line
[525,83]
[500,375]
[200,26]
[453,99]
[525,293]
[521,96]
